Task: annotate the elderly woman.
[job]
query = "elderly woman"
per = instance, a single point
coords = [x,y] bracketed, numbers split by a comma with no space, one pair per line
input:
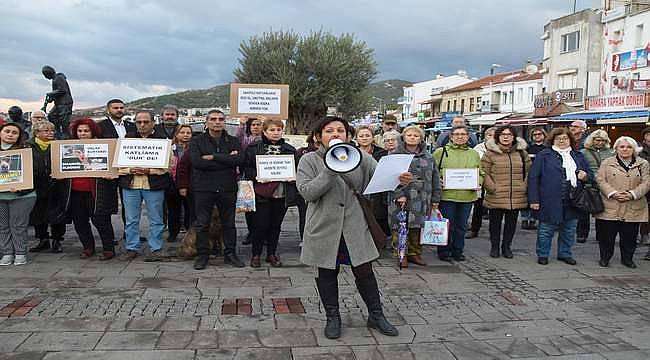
[420,196]
[456,204]
[336,231]
[555,171]
[85,199]
[506,165]
[15,206]
[596,149]
[623,179]
[43,134]
[391,140]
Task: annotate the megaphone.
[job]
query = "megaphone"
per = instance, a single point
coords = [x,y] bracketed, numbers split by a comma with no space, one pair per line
[342,157]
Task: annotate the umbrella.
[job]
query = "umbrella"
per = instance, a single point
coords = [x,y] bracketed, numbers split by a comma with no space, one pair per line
[402,234]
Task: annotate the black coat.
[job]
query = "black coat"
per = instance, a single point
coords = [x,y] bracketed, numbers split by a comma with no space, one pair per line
[250,165]
[104,199]
[156,182]
[108,130]
[220,173]
[161,129]
[41,169]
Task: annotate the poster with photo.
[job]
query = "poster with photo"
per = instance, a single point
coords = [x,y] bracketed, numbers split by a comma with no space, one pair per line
[83,158]
[16,170]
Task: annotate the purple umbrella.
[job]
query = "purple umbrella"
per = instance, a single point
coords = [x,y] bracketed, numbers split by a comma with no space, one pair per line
[402,234]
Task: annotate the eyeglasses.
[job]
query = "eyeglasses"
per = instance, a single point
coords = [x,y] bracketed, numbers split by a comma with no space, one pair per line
[457,134]
[562,138]
[599,139]
[538,134]
[46,130]
[506,134]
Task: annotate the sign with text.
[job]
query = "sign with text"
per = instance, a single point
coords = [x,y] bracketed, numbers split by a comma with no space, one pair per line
[275,168]
[461,179]
[558,97]
[83,158]
[144,153]
[268,100]
[630,60]
[16,170]
[640,85]
[618,102]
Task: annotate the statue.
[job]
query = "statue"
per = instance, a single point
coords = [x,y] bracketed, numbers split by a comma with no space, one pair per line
[62,98]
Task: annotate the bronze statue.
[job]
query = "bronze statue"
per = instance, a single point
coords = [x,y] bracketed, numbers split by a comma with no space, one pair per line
[62,98]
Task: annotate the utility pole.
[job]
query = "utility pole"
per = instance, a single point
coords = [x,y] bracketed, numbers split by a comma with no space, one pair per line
[574,6]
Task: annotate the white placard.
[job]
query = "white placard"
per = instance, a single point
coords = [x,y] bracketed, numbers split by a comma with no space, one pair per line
[275,168]
[144,153]
[461,179]
[387,172]
[258,101]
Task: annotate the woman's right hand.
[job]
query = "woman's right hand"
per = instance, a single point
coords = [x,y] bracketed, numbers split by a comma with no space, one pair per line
[182,192]
[405,178]
[534,206]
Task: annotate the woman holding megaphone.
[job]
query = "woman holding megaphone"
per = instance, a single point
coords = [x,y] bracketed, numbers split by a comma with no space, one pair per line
[333,235]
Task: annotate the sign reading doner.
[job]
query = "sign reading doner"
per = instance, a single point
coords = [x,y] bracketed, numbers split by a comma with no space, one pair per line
[82,158]
[268,100]
[16,170]
[144,153]
[275,168]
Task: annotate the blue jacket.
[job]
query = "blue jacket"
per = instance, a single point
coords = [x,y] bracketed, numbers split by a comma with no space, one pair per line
[548,186]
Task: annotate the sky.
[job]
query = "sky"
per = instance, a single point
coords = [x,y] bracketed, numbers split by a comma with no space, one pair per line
[135,48]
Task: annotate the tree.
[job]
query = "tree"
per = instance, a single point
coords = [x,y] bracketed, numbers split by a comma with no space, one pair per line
[320,68]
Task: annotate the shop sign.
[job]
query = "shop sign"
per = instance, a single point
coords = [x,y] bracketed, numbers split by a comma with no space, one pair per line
[558,97]
[639,85]
[618,102]
[631,60]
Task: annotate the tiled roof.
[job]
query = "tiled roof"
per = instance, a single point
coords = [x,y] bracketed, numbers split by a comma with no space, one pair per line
[518,75]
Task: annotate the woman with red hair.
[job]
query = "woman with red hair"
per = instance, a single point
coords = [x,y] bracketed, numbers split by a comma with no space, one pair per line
[87,199]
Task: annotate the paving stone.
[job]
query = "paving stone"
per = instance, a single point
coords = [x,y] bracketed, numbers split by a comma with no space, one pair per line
[628,355]
[474,350]
[323,353]
[59,341]
[10,341]
[527,329]
[556,345]
[263,354]
[287,337]
[238,338]
[131,340]
[242,322]
[204,339]
[122,355]
[174,340]
[349,336]
[28,355]
[216,354]
[53,324]
[406,336]
[383,352]
[517,348]
[439,332]
[431,351]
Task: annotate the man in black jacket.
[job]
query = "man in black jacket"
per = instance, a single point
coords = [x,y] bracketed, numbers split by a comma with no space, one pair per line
[215,156]
[114,127]
[169,116]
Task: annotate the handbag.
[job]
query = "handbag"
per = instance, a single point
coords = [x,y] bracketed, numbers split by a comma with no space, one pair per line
[378,235]
[587,198]
[245,196]
[435,231]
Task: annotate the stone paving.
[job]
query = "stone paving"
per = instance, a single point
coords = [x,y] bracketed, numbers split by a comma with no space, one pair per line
[62,307]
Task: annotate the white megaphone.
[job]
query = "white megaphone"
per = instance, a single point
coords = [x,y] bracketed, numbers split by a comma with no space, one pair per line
[342,157]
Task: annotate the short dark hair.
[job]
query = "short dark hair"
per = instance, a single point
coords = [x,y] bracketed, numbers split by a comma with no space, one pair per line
[213,111]
[557,132]
[169,107]
[500,131]
[114,101]
[94,128]
[151,115]
[249,123]
[459,127]
[318,130]
[20,142]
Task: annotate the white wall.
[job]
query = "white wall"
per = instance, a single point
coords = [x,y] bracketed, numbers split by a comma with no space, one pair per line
[422,91]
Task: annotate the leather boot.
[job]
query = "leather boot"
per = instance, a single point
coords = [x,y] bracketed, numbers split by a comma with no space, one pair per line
[494,249]
[329,296]
[44,244]
[505,250]
[56,246]
[369,291]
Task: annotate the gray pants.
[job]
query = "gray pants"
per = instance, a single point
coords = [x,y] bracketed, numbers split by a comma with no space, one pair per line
[14,219]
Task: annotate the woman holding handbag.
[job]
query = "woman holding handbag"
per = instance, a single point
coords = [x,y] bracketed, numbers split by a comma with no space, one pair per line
[623,179]
[334,234]
[506,165]
[421,195]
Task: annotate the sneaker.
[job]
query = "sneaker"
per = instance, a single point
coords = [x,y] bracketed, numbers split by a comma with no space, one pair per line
[233,260]
[20,260]
[129,255]
[6,260]
[155,256]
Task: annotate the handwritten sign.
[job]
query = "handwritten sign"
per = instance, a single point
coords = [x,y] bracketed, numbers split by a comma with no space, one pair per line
[144,153]
[269,100]
[82,158]
[275,168]
[461,179]
[16,170]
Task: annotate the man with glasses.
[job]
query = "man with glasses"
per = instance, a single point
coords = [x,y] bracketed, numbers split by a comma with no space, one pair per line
[215,156]
[459,120]
[456,204]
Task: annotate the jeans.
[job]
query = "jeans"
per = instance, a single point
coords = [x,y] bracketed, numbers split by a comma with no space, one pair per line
[606,231]
[267,222]
[510,225]
[153,200]
[457,214]
[204,202]
[566,238]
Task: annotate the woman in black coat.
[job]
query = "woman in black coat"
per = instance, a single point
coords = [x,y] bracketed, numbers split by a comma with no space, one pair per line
[86,199]
[271,198]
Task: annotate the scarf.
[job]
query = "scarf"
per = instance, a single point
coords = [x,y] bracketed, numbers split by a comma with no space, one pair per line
[568,164]
[626,164]
[4,146]
[42,144]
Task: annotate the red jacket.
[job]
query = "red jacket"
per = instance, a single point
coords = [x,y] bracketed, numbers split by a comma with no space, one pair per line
[184,172]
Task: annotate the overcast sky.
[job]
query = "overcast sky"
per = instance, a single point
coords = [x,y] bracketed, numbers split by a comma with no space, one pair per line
[135,48]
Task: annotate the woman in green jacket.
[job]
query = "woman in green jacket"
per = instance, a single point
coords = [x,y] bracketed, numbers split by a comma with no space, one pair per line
[456,204]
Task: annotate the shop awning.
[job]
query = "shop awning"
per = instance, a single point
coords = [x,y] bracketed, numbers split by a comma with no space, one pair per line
[488,119]
[615,117]
[522,122]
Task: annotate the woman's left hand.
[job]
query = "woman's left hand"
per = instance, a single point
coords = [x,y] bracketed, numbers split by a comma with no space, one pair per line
[405,178]
[582,175]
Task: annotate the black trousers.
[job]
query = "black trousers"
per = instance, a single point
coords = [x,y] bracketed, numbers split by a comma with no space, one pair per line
[204,202]
[584,223]
[178,211]
[363,271]
[302,215]
[81,210]
[58,231]
[606,231]
[267,221]
[477,216]
[509,220]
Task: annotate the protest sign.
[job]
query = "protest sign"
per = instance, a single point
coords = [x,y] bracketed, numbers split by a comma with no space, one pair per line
[143,153]
[16,170]
[269,100]
[275,168]
[82,158]
[461,179]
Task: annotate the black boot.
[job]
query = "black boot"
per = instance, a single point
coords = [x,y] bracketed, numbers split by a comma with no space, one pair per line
[494,249]
[369,291]
[506,250]
[56,246]
[44,244]
[329,296]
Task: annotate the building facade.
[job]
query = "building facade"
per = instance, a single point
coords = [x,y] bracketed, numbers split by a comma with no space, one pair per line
[513,93]
[427,95]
